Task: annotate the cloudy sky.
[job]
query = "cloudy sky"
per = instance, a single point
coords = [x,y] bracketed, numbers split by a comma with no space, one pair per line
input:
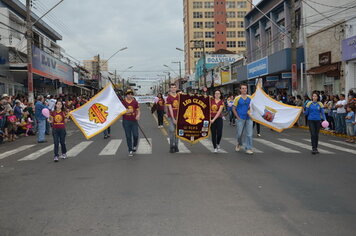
[151,29]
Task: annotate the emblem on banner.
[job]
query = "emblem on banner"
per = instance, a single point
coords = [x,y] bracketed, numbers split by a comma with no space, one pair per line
[269,114]
[194,115]
[98,113]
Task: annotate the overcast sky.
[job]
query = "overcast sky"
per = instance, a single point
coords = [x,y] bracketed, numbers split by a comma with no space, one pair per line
[151,29]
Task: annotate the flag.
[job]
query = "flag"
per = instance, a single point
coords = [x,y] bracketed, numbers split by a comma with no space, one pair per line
[271,113]
[98,113]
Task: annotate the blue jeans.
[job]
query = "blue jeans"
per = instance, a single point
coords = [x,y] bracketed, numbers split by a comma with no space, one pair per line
[41,130]
[173,140]
[131,132]
[341,124]
[59,137]
[2,122]
[107,131]
[244,134]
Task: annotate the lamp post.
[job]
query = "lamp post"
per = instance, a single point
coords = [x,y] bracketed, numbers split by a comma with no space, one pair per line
[180,73]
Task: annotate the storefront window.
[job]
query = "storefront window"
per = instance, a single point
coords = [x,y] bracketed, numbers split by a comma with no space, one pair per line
[2,88]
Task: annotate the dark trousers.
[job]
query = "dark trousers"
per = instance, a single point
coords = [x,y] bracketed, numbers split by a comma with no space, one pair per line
[160,117]
[258,127]
[231,117]
[131,132]
[331,121]
[59,137]
[107,131]
[216,131]
[314,128]
[48,127]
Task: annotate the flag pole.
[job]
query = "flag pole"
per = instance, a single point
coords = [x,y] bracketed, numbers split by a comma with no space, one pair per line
[119,96]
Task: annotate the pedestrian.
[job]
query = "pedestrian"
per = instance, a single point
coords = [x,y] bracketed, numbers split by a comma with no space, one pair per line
[11,126]
[314,110]
[341,114]
[58,119]
[334,112]
[258,128]
[130,121]
[230,103]
[107,132]
[349,120]
[216,127]
[160,109]
[41,119]
[172,113]
[243,121]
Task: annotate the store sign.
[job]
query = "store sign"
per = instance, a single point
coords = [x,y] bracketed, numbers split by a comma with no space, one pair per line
[349,48]
[272,78]
[222,58]
[257,68]
[48,66]
[325,58]
[287,75]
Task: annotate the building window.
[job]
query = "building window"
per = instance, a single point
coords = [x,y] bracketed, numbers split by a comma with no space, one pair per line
[230,14]
[231,24]
[231,34]
[209,14]
[198,54]
[198,35]
[197,5]
[209,44]
[241,4]
[240,34]
[209,34]
[198,25]
[240,24]
[209,24]
[209,4]
[197,15]
[241,44]
[230,4]
[269,41]
[241,14]
[231,44]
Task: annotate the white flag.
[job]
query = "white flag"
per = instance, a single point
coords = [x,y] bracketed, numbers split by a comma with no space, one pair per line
[99,112]
[271,113]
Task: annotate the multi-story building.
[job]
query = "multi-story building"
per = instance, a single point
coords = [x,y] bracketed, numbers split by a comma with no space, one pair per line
[211,25]
[92,65]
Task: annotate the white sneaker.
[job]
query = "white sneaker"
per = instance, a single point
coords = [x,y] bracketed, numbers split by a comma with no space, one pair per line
[258,135]
[64,156]
[237,148]
[218,147]
[134,149]
[250,152]
[130,154]
[215,150]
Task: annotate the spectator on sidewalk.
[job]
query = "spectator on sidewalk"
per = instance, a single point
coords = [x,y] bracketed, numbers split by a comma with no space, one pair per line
[18,110]
[11,126]
[41,119]
[349,120]
[341,114]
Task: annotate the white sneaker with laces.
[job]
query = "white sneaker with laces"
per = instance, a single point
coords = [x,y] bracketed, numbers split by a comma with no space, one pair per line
[237,148]
[130,154]
[134,149]
[218,147]
[215,150]
[250,152]
[64,156]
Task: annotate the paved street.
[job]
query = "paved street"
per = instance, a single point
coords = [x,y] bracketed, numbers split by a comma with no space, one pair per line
[281,190]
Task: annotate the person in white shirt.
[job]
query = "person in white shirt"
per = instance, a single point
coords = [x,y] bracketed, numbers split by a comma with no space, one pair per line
[340,115]
[51,102]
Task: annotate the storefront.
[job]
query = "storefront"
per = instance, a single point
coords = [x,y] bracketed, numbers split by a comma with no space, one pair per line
[349,56]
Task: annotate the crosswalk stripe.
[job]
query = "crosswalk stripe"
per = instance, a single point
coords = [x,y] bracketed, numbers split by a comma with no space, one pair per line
[303,145]
[344,143]
[329,145]
[276,146]
[234,142]
[144,147]
[209,145]
[182,148]
[111,148]
[78,148]
[35,155]
[12,152]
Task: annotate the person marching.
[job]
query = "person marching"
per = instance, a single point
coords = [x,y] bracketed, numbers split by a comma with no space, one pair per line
[130,121]
[216,127]
[58,120]
[172,112]
[243,122]
[314,110]
[160,110]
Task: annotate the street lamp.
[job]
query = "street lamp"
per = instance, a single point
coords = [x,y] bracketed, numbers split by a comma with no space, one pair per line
[180,73]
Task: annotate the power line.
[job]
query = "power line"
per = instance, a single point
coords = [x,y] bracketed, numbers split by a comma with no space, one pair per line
[326,5]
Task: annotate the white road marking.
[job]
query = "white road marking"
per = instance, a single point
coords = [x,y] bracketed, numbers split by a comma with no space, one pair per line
[303,145]
[344,143]
[276,146]
[111,148]
[329,145]
[182,148]
[209,145]
[78,148]
[144,147]
[12,152]
[35,155]
[233,141]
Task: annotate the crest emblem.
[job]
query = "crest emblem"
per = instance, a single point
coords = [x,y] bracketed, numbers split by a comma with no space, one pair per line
[175,104]
[98,113]
[269,114]
[194,115]
[214,107]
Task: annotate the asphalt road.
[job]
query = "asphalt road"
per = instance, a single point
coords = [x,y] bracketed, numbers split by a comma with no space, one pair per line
[281,190]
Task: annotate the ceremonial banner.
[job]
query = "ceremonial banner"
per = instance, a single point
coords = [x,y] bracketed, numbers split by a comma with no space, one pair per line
[145,99]
[193,122]
[98,113]
[271,113]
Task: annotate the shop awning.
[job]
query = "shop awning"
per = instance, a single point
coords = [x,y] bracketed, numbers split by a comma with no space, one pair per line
[324,69]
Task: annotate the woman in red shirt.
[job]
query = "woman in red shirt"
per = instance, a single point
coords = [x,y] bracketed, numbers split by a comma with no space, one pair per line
[160,110]
[58,120]
[216,127]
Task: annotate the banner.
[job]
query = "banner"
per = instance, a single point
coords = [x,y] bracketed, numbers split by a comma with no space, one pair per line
[145,99]
[98,113]
[271,113]
[193,122]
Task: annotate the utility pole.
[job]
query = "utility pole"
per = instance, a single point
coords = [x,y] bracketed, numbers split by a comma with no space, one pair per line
[98,72]
[293,48]
[29,34]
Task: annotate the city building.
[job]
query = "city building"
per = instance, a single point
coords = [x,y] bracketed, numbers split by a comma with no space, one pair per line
[212,25]
[92,65]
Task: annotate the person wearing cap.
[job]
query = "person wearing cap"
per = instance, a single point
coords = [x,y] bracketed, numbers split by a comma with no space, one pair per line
[130,121]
